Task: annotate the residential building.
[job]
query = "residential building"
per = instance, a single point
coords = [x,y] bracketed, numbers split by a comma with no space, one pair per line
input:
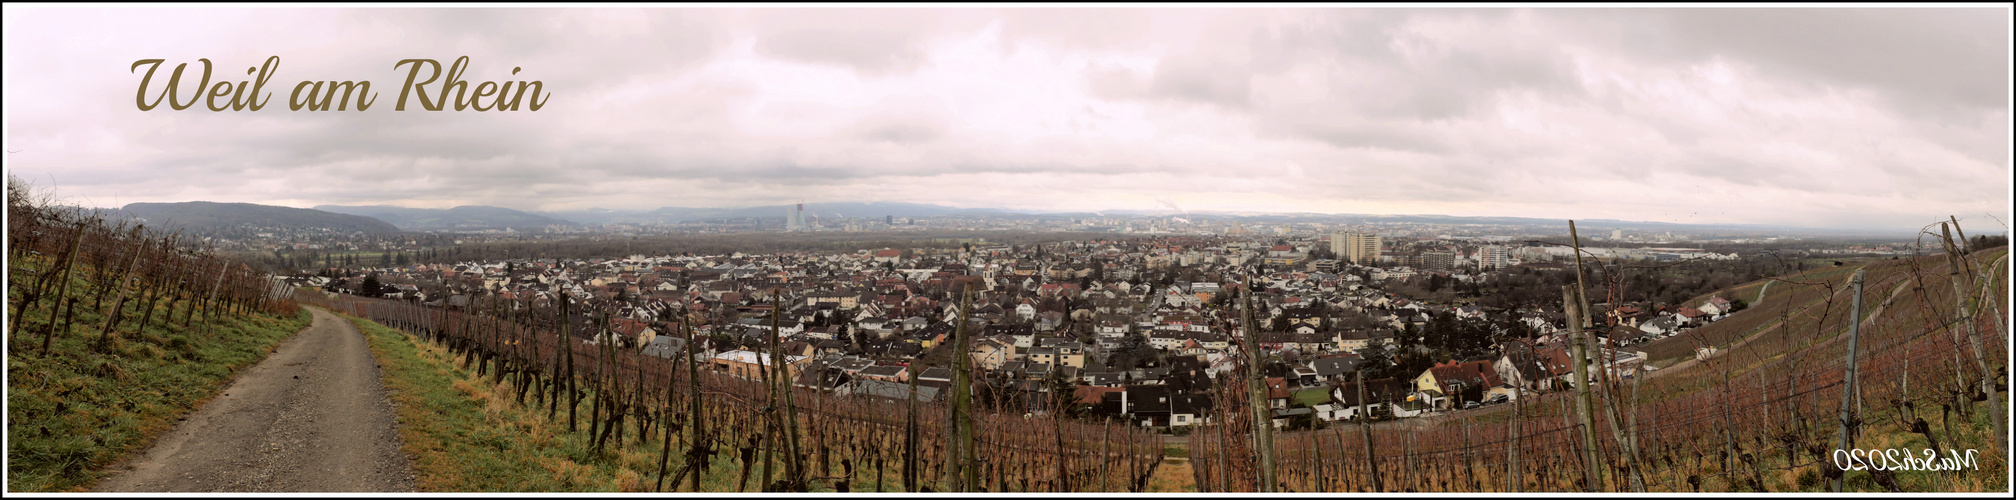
[1358,248]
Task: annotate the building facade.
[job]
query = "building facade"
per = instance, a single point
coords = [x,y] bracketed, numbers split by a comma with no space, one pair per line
[1358,248]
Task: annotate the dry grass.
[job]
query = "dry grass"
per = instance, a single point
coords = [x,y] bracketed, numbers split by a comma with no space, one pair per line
[1174,476]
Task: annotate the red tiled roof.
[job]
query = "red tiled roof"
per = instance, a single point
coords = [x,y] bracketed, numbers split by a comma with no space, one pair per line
[1277,387]
[1092,394]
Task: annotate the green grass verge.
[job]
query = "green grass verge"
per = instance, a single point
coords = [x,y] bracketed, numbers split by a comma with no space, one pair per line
[464,437]
[468,435]
[75,411]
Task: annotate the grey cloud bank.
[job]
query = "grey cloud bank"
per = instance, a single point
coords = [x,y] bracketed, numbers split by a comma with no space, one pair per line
[1806,117]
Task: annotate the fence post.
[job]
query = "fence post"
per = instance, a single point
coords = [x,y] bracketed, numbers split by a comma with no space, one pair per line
[1365,430]
[1591,471]
[1961,291]
[1263,424]
[1846,437]
[1513,480]
[62,290]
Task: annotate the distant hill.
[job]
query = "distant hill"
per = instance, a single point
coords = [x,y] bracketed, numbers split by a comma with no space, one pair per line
[210,217]
[878,210]
[463,217]
[812,210]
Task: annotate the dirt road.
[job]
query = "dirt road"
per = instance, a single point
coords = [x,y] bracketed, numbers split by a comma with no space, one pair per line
[311,417]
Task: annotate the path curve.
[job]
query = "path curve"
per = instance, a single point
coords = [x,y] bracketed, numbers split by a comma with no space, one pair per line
[311,417]
[1776,323]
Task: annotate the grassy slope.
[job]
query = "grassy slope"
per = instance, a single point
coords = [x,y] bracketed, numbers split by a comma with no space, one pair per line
[465,438]
[74,412]
[1804,331]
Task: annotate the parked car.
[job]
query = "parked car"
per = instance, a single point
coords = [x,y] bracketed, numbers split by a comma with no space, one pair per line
[1496,399]
[1469,405]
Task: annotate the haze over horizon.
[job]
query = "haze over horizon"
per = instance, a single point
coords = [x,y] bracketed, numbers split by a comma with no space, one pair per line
[1804,117]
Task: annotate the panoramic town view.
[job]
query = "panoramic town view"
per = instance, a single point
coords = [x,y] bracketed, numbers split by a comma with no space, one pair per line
[983,249]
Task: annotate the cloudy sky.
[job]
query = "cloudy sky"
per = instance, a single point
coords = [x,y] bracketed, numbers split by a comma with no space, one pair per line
[1847,118]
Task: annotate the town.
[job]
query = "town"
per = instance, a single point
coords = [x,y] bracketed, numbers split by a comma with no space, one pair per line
[1129,327]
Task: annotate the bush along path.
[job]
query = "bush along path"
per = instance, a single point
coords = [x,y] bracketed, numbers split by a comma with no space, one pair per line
[312,417]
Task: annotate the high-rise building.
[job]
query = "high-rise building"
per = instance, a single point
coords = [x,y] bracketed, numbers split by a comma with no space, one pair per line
[1616,234]
[889,219]
[1359,248]
[1493,257]
[794,217]
[1438,259]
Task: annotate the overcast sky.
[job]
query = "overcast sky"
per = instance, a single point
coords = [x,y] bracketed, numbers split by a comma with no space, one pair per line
[1848,118]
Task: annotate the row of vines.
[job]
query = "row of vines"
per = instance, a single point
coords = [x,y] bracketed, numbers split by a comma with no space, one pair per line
[1765,413]
[780,431]
[61,259]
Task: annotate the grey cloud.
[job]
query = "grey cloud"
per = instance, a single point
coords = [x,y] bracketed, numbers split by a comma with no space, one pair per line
[1114,83]
[1384,136]
[906,120]
[874,42]
[872,52]
[1223,83]
[1406,101]
[901,132]
[1932,60]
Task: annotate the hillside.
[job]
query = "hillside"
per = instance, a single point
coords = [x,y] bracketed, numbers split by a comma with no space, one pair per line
[102,363]
[210,217]
[463,217]
[812,210]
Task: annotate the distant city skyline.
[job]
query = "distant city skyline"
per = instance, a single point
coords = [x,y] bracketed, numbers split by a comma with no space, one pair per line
[1858,118]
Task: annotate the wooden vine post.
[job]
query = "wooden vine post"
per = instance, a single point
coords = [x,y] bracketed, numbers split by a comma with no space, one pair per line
[1256,388]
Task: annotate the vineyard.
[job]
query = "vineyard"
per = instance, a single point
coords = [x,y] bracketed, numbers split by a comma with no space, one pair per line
[1907,353]
[115,329]
[135,267]
[780,434]
[1766,413]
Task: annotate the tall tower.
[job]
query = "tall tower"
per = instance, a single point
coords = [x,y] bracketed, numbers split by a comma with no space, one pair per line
[1359,248]
[1494,257]
[794,218]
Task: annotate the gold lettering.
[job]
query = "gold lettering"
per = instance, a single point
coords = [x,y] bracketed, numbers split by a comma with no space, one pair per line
[536,87]
[418,88]
[507,100]
[455,82]
[173,92]
[482,89]
[294,102]
[220,90]
[266,71]
[363,90]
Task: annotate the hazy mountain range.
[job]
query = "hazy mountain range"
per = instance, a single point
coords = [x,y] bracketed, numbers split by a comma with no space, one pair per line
[463,217]
[812,210]
[385,218]
[205,216]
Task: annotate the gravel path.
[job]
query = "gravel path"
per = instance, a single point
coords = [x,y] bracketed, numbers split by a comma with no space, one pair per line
[311,417]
